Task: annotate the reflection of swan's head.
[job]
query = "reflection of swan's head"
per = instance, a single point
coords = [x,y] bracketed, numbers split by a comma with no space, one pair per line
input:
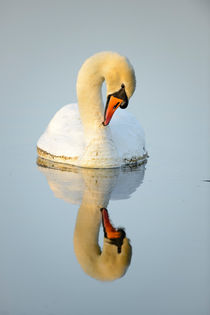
[93,188]
[114,265]
[108,263]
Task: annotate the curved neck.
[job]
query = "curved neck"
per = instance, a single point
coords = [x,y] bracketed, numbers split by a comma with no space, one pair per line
[112,68]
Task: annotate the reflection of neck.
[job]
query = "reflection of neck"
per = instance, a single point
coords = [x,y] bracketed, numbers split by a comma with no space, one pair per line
[101,265]
[88,224]
[87,231]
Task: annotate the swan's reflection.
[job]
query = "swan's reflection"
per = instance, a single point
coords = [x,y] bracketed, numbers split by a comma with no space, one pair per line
[92,189]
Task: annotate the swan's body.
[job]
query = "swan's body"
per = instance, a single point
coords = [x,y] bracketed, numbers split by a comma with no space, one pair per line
[76,134]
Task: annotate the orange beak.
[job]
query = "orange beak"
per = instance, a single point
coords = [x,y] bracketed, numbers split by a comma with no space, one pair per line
[110,232]
[111,106]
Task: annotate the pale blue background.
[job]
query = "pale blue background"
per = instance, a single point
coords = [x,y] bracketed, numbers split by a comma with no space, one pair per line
[43,44]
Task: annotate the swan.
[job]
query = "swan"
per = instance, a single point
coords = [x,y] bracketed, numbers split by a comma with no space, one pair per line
[92,189]
[82,134]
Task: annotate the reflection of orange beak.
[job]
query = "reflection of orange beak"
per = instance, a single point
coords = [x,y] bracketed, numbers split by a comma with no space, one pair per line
[112,104]
[110,231]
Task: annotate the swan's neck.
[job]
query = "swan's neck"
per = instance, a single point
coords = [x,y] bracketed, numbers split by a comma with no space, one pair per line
[100,149]
[90,99]
[115,70]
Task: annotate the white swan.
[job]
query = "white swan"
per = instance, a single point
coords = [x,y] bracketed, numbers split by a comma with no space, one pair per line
[92,189]
[82,137]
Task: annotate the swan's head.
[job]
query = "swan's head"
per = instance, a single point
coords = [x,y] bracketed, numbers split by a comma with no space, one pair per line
[121,82]
[115,100]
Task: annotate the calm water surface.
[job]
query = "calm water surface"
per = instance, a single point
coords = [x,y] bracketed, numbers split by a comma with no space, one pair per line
[46,257]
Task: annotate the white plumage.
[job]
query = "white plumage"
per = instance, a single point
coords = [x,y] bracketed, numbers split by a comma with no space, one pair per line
[64,135]
[76,136]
